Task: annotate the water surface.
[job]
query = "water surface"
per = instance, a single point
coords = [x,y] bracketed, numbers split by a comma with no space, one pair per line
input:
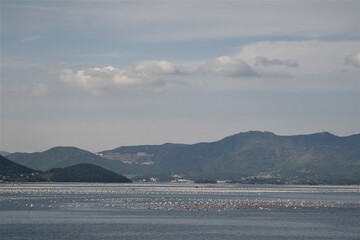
[178,211]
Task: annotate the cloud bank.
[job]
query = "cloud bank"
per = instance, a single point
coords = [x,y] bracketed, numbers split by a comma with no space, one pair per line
[144,74]
[247,69]
[266,62]
[155,73]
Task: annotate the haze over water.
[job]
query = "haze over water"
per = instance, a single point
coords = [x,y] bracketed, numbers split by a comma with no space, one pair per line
[178,211]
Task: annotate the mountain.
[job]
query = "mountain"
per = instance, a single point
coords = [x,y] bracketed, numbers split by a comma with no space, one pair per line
[10,172]
[84,172]
[4,153]
[314,158]
[260,157]
[60,157]
[9,168]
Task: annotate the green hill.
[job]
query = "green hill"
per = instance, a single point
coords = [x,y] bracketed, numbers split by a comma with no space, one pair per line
[315,158]
[8,168]
[84,173]
[320,158]
[60,157]
[10,171]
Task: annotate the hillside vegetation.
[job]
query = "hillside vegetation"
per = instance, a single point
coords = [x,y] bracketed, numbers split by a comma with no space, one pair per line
[315,158]
[11,171]
[84,172]
[263,157]
[61,157]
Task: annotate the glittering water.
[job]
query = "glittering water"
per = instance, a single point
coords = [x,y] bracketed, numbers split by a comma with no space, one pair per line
[178,211]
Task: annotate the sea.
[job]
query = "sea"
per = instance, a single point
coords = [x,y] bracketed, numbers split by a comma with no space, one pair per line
[173,211]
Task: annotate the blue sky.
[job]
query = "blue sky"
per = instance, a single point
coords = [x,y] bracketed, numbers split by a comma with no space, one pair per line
[100,74]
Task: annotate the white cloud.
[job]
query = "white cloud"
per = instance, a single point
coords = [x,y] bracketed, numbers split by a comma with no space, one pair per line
[144,73]
[228,67]
[266,62]
[124,80]
[235,67]
[156,73]
[155,67]
[314,57]
[94,80]
[353,60]
[319,67]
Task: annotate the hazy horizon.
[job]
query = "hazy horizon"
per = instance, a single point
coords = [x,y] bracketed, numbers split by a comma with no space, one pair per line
[103,74]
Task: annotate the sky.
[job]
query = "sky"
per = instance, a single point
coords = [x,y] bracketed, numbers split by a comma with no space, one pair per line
[103,74]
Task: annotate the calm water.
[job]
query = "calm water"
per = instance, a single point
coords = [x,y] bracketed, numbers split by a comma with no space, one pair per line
[178,211]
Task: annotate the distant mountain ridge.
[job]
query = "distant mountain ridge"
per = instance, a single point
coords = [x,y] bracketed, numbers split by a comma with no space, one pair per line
[9,168]
[319,157]
[314,158]
[4,153]
[61,157]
